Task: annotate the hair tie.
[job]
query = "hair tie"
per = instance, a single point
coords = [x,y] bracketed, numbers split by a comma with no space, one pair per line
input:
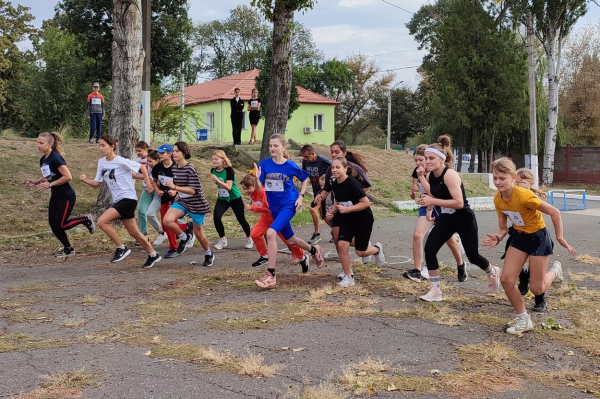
[436,152]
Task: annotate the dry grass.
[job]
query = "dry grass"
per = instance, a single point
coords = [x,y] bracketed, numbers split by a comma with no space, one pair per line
[157,313]
[589,259]
[89,300]
[73,323]
[63,386]
[325,390]
[566,377]
[34,286]
[583,276]
[23,342]
[23,316]
[485,319]
[16,302]
[253,365]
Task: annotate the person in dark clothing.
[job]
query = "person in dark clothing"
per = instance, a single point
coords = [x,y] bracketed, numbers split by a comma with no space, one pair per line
[237,116]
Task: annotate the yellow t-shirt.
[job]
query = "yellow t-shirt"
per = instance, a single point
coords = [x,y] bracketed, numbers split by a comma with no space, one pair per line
[521,210]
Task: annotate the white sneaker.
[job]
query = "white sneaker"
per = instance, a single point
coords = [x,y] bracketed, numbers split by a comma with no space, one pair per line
[366,259]
[160,239]
[222,243]
[432,296]
[342,275]
[494,279]
[380,257]
[557,268]
[522,325]
[190,243]
[249,243]
[424,272]
[346,282]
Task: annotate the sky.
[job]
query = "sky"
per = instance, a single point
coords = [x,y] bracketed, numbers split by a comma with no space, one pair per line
[340,28]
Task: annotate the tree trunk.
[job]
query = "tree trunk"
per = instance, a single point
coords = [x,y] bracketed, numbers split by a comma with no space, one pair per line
[473,151]
[491,154]
[550,136]
[280,86]
[483,164]
[461,150]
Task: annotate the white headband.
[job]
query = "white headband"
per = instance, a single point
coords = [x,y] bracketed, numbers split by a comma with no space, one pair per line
[436,152]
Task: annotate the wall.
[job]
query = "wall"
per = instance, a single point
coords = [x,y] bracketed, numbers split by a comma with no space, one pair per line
[577,164]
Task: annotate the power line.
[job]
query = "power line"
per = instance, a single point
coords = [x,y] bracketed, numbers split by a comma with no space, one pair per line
[403,9]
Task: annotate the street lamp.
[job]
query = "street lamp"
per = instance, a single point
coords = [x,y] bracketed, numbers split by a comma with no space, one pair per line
[389,129]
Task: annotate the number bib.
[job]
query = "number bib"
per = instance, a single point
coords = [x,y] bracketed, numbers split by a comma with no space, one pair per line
[257,203]
[273,185]
[164,179]
[515,218]
[183,195]
[223,193]
[96,101]
[46,171]
[346,203]
[449,211]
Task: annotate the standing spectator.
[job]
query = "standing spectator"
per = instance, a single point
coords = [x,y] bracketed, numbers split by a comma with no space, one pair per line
[95,112]
[237,116]
[254,108]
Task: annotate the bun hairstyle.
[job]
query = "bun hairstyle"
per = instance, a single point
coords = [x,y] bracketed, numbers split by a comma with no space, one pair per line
[110,140]
[184,148]
[420,150]
[527,174]
[282,140]
[221,154]
[444,146]
[55,140]
[248,181]
[354,158]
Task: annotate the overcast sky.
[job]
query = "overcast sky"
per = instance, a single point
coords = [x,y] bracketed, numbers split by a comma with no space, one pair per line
[339,27]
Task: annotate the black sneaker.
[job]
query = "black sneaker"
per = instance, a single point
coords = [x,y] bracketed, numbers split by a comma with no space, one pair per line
[209,260]
[304,262]
[66,252]
[89,223]
[316,237]
[171,253]
[97,141]
[260,261]
[183,243]
[462,273]
[414,275]
[540,307]
[523,282]
[120,254]
[151,261]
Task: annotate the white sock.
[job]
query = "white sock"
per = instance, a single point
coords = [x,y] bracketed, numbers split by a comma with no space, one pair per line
[122,246]
[208,252]
[435,283]
[182,236]
[153,254]
[522,315]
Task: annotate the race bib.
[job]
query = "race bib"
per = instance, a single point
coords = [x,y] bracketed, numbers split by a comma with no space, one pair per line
[223,193]
[515,218]
[449,211]
[257,203]
[46,171]
[273,185]
[346,203]
[253,103]
[164,179]
[96,101]
[183,195]
[421,188]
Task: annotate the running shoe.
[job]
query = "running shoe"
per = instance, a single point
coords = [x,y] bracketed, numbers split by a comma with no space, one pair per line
[342,274]
[522,324]
[557,268]
[151,261]
[89,223]
[183,244]
[432,296]
[523,282]
[260,261]
[462,273]
[222,243]
[266,281]
[414,275]
[190,231]
[65,253]
[318,257]
[171,253]
[120,254]
[379,256]
[160,239]
[315,238]
[304,263]
[424,272]
[540,307]
[249,243]
[346,282]
[209,260]
[494,279]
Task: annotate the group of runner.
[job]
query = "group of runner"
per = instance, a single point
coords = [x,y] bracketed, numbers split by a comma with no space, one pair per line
[172,186]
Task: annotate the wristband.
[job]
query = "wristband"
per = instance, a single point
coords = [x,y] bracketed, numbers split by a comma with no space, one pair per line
[498,238]
[429,212]
[302,194]
[50,184]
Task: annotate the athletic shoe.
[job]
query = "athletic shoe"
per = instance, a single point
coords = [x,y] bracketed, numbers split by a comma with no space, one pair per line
[97,141]
[89,223]
[511,323]
[414,275]
[171,253]
[151,261]
[90,141]
[315,238]
[183,244]
[494,279]
[424,272]
[222,243]
[120,254]
[342,274]
[249,243]
[65,253]
[190,232]
[304,263]
[540,307]
[160,239]
[557,268]
[346,282]
[462,273]
[260,261]
[432,296]
[190,244]
[523,282]
[379,257]
[522,324]
[266,281]
[318,257]
[209,260]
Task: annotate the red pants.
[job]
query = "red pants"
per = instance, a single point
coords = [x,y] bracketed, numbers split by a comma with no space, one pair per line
[170,235]
[258,232]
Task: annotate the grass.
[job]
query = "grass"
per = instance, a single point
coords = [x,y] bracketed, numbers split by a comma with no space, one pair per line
[325,390]
[20,315]
[33,286]
[73,323]
[63,386]
[18,302]
[90,300]
[589,259]
[23,342]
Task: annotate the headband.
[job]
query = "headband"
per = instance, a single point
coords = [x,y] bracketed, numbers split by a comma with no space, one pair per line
[436,152]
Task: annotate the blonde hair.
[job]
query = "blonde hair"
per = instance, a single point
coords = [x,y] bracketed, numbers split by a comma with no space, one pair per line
[420,150]
[282,140]
[504,165]
[443,145]
[54,139]
[527,174]
[221,154]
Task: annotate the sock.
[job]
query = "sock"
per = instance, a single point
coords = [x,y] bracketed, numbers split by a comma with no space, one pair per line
[153,254]
[208,252]
[540,298]
[122,246]
[265,256]
[272,271]
[313,250]
[435,283]
[182,236]
[490,271]
[522,315]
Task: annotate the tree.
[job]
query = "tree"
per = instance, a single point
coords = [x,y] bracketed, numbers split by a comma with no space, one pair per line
[330,78]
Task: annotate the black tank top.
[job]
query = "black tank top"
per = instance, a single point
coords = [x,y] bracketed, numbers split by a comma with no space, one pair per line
[439,189]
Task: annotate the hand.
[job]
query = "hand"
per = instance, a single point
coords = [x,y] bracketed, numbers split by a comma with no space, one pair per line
[30,183]
[170,184]
[420,171]
[415,188]
[43,185]
[565,244]
[299,203]
[149,189]
[425,200]
[83,177]
[328,216]
[343,209]
[248,206]
[257,171]
[172,193]
[88,117]
[102,117]
[491,241]
[215,178]
[430,218]
[159,193]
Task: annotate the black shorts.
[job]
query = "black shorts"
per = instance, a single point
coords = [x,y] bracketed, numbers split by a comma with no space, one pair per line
[360,232]
[322,210]
[533,244]
[126,208]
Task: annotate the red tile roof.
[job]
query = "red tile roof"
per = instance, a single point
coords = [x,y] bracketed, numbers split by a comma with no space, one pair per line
[222,90]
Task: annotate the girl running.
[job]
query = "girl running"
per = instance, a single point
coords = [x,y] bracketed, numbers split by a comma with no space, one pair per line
[530,239]
[421,186]
[447,192]
[277,174]
[260,204]
[154,207]
[228,196]
[355,219]
[190,200]
[117,172]
[141,150]
[56,177]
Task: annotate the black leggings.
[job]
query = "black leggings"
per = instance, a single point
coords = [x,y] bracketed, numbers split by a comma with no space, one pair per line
[59,210]
[461,222]
[237,205]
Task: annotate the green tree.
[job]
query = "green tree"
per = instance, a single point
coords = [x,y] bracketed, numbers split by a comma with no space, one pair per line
[330,78]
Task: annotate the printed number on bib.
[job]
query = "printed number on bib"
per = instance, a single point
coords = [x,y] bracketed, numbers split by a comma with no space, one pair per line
[346,203]
[515,218]
[164,179]
[449,211]
[46,171]
[96,101]
[273,185]
[223,193]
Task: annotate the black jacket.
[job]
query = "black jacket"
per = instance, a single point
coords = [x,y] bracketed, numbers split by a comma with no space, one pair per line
[237,107]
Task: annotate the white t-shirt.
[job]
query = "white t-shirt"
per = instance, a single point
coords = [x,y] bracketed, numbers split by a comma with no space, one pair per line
[117,174]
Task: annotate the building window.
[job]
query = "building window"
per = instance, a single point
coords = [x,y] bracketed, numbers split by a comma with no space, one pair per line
[319,122]
[210,120]
[244,123]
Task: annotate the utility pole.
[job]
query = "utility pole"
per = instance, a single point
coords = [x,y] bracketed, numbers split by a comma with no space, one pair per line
[182,89]
[146,99]
[531,160]
[389,118]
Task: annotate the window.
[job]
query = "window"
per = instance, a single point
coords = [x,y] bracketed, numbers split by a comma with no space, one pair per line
[319,122]
[210,120]
[244,123]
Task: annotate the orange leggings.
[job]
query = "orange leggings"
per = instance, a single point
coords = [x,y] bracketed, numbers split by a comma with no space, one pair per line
[258,232]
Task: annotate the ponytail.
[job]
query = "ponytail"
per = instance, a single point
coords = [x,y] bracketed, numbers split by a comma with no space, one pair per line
[55,141]
[444,146]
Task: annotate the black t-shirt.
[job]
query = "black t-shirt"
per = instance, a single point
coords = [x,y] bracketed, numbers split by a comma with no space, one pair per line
[349,192]
[438,189]
[161,174]
[49,166]
[253,102]
[317,168]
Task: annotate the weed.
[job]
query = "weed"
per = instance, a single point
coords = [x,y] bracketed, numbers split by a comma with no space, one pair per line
[325,390]
[22,316]
[73,323]
[18,302]
[34,286]
[73,380]
[90,300]
[22,342]
[587,258]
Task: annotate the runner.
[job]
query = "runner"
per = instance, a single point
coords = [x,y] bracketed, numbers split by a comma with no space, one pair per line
[56,177]
[355,219]
[277,175]
[117,172]
[530,239]
[260,204]
[154,207]
[141,150]
[447,192]
[190,200]
[316,166]
[228,196]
